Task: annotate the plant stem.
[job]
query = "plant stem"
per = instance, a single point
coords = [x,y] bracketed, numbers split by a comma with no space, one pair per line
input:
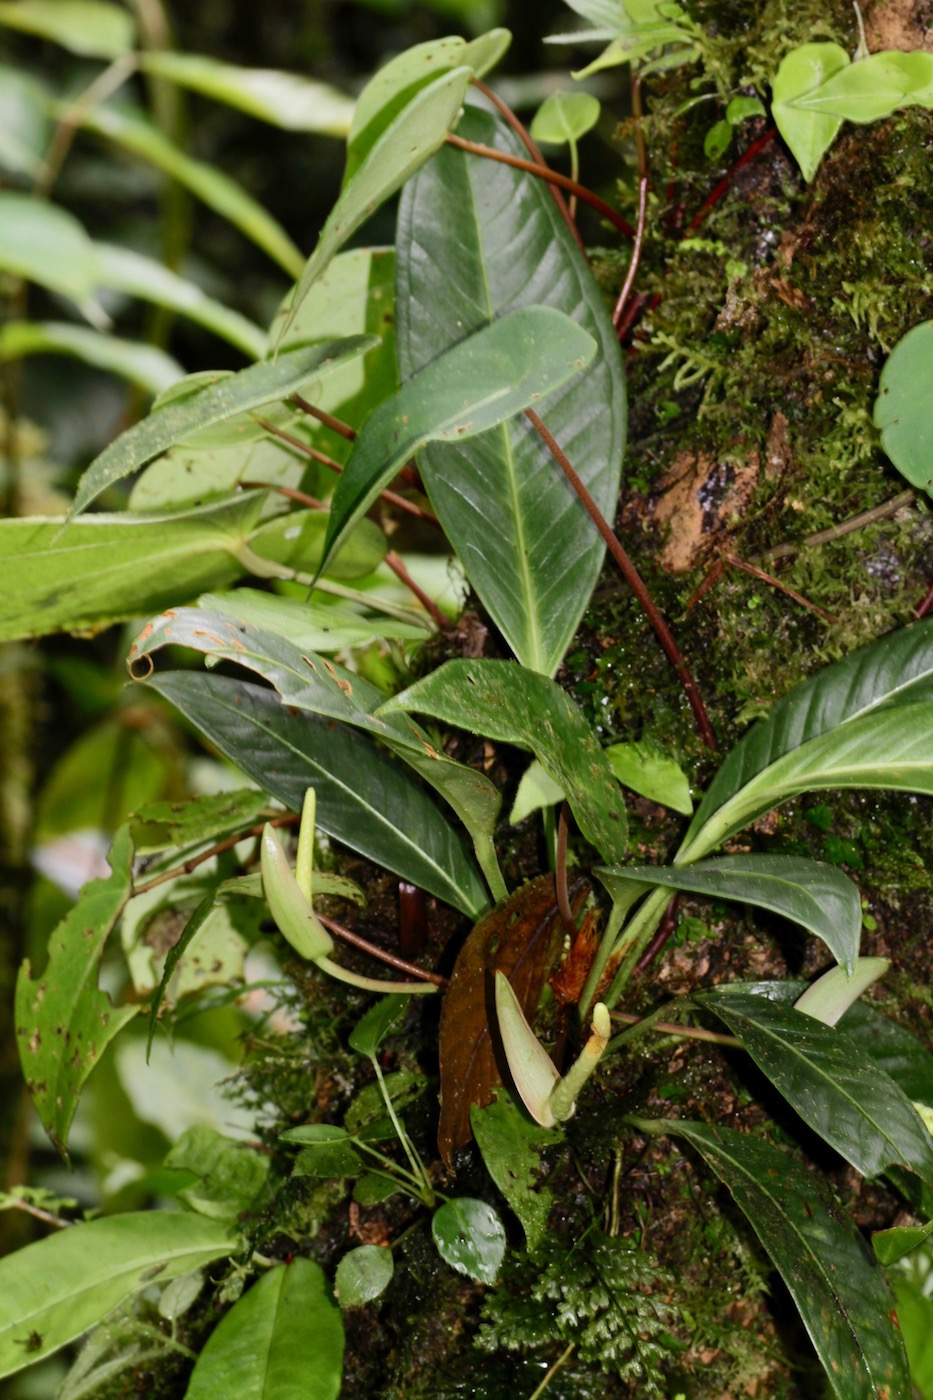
[544,172]
[633,579]
[524,135]
[561,1361]
[408,1146]
[673,1028]
[335,424]
[381,954]
[634,939]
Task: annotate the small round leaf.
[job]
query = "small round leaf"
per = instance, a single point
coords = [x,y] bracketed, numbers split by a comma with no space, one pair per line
[902,408]
[362,1275]
[565,116]
[469,1236]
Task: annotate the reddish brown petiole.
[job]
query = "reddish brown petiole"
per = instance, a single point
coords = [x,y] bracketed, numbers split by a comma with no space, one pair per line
[634,580]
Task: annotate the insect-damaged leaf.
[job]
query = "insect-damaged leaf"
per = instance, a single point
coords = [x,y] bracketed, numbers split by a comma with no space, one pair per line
[63,1020]
[508,702]
[55,1289]
[269,381]
[389,819]
[520,938]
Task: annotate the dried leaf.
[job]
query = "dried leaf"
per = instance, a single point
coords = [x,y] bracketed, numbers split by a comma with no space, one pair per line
[521,938]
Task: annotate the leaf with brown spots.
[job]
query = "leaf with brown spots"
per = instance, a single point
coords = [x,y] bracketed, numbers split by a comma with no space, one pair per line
[63,1020]
[521,938]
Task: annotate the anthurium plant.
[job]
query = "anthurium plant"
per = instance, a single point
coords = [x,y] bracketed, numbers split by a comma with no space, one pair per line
[468,378]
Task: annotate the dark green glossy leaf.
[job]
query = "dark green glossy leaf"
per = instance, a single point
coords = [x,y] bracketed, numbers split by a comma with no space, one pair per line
[270,381]
[362,1275]
[52,1291]
[891,748]
[387,818]
[283,1340]
[839,1289]
[896,670]
[511,1145]
[852,1105]
[470,1238]
[64,1022]
[471,387]
[477,238]
[308,682]
[813,894]
[901,407]
[892,1049]
[505,701]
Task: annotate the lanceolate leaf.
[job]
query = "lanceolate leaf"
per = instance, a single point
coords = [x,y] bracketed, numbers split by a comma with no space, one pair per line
[364,799]
[396,83]
[104,568]
[891,748]
[283,1339]
[892,671]
[131,131]
[284,99]
[813,894]
[268,382]
[91,28]
[473,386]
[855,1107]
[308,682]
[146,366]
[838,1287]
[125,270]
[52,1291]
[504,701]
[413,135]
[477,238]
[64,1022]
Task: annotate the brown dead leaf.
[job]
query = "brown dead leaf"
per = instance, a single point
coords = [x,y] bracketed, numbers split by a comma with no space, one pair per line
[521,938]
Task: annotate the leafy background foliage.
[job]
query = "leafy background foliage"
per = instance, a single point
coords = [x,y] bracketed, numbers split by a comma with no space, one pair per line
[732,382]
